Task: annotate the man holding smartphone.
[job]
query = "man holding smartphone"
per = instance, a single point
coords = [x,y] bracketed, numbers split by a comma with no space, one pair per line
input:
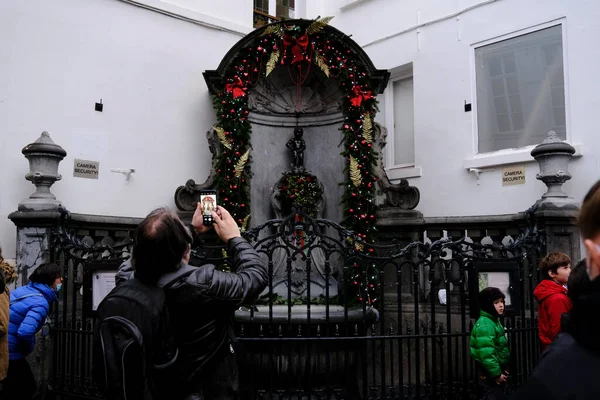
[203,301]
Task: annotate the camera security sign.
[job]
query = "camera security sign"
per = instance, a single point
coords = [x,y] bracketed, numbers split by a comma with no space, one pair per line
[86,169]
[513,175]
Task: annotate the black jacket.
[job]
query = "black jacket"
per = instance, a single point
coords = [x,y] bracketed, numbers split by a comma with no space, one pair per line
[202,305]
[568,369]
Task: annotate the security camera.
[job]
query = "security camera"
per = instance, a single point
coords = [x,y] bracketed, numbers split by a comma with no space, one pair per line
[126,171]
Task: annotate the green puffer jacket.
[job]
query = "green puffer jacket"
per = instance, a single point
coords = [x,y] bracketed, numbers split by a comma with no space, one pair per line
[489,347]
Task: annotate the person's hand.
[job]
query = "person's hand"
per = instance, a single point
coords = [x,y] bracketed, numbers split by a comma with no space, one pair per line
[197,220]
[501,379]
[225,225]
[592,259]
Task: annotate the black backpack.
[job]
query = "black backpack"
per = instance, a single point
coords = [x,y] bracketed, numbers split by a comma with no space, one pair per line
[133,345]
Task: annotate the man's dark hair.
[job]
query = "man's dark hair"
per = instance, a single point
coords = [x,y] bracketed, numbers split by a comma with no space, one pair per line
[160,242]
[46,273]
[552,262]
[589,216]
[578,281]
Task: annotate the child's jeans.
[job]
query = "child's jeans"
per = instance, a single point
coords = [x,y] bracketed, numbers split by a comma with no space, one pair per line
[491,390]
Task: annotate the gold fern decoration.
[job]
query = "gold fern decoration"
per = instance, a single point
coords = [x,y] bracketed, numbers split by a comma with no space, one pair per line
[320,61]
[273,30]
[359,246]
[272,62]
[222,137]
[318,25]
[245,224]
[355,176]
[239,166]
[367,131]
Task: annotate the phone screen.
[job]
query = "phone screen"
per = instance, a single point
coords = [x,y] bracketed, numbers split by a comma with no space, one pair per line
[208,202]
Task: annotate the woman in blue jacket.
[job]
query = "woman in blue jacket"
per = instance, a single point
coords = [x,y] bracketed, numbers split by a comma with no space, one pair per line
[29,307]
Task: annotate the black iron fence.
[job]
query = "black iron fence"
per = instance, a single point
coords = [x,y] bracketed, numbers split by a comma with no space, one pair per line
[340,318]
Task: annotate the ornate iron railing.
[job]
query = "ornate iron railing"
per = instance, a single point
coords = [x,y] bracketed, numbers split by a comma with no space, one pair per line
[340,318]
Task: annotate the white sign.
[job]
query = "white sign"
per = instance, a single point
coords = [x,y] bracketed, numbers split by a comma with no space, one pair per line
[513,175]
[102,283]
[86,169]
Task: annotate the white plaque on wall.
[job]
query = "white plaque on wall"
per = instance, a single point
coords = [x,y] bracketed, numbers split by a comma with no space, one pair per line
[102,283]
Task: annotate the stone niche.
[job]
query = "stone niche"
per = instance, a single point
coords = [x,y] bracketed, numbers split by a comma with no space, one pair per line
[277,107]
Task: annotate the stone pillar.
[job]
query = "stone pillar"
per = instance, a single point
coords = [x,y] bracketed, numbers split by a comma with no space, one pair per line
[37,214]
[404,227]
[35,218]
[555,210]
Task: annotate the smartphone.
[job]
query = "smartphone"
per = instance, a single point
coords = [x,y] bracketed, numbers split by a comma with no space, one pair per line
[208,202]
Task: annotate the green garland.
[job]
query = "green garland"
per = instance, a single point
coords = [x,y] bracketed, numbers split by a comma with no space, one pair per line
[305,42]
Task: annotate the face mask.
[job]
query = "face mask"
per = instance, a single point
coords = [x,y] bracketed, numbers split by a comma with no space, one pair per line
[58,286]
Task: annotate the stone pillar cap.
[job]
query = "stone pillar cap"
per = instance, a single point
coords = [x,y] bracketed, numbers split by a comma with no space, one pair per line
[552,144]
[44,144]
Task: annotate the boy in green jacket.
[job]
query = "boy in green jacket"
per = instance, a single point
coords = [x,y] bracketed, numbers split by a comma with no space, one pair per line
[489,347]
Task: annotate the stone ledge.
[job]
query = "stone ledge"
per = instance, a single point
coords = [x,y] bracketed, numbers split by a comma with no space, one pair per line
[51,218]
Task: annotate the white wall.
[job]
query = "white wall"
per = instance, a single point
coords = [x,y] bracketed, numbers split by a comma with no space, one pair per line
[442,57]
[234,11]
[57,58]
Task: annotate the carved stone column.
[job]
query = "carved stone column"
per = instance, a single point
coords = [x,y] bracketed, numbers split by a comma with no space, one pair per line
[556,211]
[35,218]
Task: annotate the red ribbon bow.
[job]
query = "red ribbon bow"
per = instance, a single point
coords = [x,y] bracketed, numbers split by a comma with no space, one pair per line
[298,46]
[237,88]
[359,96]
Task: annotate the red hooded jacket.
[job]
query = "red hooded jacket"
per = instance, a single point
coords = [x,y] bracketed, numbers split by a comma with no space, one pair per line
[553,302]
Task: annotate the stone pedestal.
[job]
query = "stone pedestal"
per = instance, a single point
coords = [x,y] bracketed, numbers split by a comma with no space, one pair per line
[35,219]
[403,226]
[556,211]
[562,233]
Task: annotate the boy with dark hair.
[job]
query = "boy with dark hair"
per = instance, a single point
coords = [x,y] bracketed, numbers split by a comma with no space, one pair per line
[489,347]
[569,367]
[551,295]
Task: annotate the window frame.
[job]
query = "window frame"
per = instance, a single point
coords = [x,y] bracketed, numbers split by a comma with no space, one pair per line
[497,39]
[403,170]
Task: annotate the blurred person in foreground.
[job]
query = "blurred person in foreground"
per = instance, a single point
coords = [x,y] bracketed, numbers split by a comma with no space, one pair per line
[569,368]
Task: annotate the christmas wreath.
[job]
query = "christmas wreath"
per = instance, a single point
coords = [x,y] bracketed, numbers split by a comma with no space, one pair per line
[301,191]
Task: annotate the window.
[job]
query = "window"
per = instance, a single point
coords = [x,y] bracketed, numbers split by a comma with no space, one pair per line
[262,5]
[261,15]
[404,122]
[396,113]
[520,90]
[285,9]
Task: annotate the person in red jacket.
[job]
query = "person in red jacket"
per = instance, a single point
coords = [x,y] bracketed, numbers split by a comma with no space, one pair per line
[551,295]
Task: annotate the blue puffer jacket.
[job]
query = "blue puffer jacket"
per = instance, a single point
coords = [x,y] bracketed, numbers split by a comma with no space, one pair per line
[28,310]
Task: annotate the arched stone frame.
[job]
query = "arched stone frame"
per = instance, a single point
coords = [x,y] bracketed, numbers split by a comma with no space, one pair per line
[400,195]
